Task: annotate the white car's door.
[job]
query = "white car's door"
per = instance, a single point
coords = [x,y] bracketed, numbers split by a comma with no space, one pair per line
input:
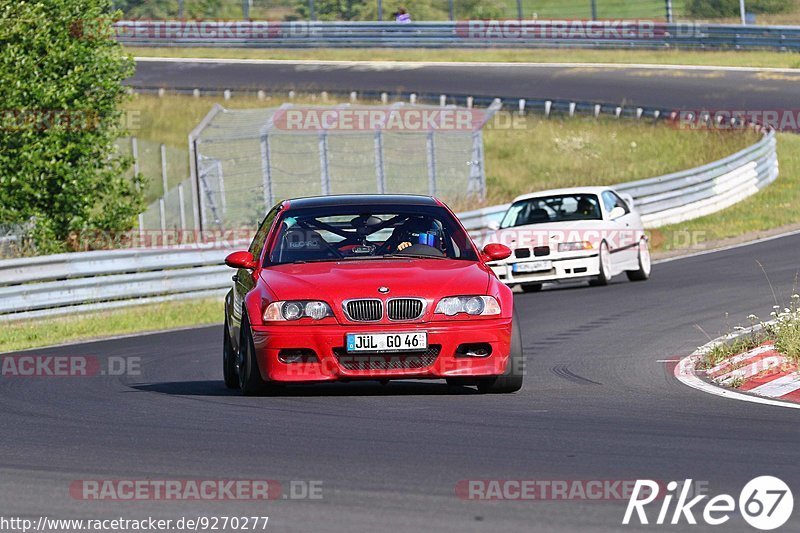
[623,223]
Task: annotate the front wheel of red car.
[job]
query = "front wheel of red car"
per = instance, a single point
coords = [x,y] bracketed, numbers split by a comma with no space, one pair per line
[229,360]
[250,380]
[511,380]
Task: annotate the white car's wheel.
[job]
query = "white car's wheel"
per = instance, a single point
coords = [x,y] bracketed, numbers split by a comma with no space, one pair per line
[604,260]
[643,272]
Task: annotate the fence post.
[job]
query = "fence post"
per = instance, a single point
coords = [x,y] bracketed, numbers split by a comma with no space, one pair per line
[477,178]
[164,184]
[380,10]
[669,11]
[431,152]
[266,171]
[141,227]
[223,202]
[162,211]
[135,155]
[451,10]
[323,163]
[312,14]
[519,9]
[594,9]
[182,208]
[380,171]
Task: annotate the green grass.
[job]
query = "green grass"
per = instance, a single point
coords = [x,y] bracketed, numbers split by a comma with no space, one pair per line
[666,57]
[48,331]
[783,329]
[773,207]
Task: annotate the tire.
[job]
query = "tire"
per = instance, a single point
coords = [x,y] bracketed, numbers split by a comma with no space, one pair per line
[644,264]
[531,287]
[229,358]
[511,380]
[604,258]
[250,381]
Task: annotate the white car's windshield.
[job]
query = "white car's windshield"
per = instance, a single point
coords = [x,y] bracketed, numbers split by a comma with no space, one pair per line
[559,208]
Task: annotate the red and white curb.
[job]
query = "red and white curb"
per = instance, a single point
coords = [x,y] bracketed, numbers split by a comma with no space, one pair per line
[765,376]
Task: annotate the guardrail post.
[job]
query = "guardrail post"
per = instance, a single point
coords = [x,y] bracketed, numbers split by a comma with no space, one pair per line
[353,97]
[572,109]
[325,177]
[380,171]
[548,106]
[442,100]
[618,112]
[431,152]
[521,106]
[470,101]
[384,98]
[412,98]
[596,110]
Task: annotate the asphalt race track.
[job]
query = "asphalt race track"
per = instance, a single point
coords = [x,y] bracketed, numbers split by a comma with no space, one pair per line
[672,88]
[597,404]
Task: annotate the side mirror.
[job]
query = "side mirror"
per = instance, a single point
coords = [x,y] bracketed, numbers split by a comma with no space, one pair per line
[616,213]
[496,252]
[241,260]
[494,225]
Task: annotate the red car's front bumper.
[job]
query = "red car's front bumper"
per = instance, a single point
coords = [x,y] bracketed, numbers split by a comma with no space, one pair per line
[333,363]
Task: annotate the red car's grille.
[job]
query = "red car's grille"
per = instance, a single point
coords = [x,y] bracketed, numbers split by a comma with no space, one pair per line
[364,310]
[388,361]
[404,308]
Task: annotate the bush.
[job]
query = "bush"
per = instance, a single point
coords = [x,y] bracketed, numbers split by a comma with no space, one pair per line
[62,87]
[730,8]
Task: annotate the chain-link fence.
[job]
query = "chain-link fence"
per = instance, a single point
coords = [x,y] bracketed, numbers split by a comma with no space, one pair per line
[245,160]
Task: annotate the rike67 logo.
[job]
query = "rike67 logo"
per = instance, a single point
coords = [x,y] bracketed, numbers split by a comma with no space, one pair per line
[766,503]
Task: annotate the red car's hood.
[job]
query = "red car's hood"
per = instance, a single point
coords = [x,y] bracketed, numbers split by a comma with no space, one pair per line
[337,281]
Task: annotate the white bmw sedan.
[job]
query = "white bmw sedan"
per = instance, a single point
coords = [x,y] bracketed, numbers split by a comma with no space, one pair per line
[566,235]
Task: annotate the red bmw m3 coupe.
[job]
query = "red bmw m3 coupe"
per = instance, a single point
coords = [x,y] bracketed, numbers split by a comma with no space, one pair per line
[368,287]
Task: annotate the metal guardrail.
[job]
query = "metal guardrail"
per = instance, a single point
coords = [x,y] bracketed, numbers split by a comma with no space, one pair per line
[465,34]
[80,282]
[683,195]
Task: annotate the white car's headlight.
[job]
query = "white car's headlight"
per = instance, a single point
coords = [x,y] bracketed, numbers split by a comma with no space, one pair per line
[574,246]
[296,309]
[471,305]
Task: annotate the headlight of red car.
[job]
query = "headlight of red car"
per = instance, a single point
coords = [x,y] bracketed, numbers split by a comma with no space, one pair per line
[471,305]
[296,309]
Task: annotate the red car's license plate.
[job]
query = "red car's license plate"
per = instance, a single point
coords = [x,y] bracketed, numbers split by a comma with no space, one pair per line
[387,342]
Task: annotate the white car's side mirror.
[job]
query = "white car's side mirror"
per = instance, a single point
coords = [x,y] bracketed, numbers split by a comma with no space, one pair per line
[494,225]
[616,213]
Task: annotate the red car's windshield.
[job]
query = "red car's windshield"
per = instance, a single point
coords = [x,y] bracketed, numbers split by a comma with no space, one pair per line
[335,233]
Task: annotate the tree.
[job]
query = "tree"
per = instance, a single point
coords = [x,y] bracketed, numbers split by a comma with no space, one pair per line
[62,75]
